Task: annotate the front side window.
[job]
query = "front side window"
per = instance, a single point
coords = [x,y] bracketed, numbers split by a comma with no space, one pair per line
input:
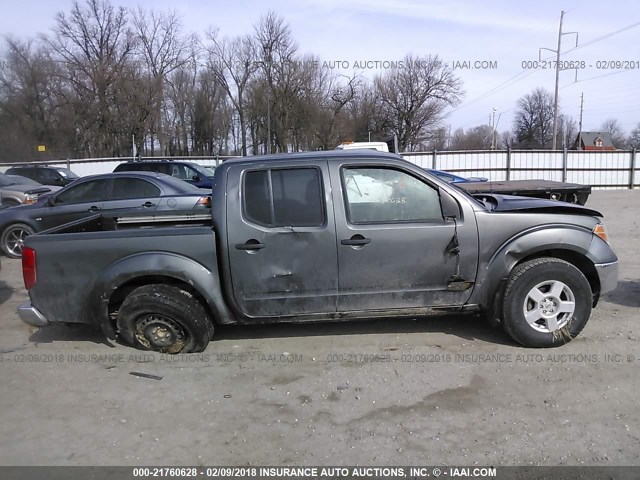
[86,192]
[386,195]
[284,197]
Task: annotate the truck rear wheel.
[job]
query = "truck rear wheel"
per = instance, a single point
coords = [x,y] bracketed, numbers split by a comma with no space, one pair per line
[165,319]
[547,303]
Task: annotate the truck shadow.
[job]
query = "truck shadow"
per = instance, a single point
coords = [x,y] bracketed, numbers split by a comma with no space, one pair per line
[626,294]
[69,333]
[467,327]
[6,291]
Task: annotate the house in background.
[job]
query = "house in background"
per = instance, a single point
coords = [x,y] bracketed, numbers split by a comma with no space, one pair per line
[593,141]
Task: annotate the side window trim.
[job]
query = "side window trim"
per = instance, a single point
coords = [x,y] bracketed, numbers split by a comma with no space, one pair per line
[347,205]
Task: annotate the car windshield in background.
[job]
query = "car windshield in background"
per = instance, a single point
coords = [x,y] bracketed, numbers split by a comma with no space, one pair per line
[200,169]
[6,181]
[66,173]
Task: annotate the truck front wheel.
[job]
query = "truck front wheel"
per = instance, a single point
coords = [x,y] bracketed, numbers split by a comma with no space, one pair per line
[547,302]
[165,319]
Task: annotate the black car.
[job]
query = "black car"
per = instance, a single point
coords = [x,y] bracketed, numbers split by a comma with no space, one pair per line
[190,172]
[110,192]
[44,174]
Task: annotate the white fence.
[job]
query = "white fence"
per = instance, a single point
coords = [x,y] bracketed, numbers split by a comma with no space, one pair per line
[614,170]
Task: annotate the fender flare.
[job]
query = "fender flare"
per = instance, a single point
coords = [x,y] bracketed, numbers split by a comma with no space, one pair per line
[162,264]
[493,273]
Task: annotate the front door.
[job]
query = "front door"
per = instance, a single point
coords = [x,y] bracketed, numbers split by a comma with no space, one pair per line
[77,201]
[281,241]
[395,249]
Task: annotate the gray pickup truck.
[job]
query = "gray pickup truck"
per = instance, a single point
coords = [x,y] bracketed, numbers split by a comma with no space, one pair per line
[323,236]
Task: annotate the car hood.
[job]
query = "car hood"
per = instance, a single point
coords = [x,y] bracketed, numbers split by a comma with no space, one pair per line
[25,188]
[512,203]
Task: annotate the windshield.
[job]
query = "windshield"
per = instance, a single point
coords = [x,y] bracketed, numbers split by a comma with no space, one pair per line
[201,170]
[66,173]
[5,181]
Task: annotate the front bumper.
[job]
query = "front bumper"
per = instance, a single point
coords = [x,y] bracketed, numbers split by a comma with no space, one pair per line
[31,315]
[608,275]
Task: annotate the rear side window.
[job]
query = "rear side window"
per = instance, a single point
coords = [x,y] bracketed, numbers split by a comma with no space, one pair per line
[124,188]
[284,197]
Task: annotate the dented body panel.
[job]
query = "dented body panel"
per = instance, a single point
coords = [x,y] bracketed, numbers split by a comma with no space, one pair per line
[333,268]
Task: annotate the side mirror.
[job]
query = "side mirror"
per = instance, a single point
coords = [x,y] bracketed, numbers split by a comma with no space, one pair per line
[450,207]
[57,180]
[196,178]
[51,201]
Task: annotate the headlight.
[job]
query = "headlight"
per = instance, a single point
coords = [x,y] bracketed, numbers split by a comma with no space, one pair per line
[30,198]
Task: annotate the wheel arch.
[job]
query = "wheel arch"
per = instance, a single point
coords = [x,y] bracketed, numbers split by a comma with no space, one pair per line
[569,244]
[163,268]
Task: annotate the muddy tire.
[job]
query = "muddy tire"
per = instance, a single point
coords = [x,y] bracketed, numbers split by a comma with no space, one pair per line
[547,302]
[13,237]
[164,319]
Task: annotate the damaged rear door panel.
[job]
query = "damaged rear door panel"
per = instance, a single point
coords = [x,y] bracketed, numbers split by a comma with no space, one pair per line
[282,249]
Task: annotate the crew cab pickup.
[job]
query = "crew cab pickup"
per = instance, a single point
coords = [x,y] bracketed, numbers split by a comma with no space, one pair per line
[323,236]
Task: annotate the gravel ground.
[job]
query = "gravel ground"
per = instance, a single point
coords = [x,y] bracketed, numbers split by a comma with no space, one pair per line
[448,390]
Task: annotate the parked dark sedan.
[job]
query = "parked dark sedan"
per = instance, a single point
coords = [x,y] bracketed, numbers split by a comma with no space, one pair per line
[111,192]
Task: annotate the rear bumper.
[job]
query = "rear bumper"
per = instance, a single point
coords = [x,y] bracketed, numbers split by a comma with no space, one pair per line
[31,315]
[608,275]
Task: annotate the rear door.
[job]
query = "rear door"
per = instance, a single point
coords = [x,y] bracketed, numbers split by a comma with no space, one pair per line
[77,201]
[134,194]
[281,239]
[394,246]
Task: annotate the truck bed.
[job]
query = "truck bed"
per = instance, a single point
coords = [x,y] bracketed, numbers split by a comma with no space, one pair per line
[568,192]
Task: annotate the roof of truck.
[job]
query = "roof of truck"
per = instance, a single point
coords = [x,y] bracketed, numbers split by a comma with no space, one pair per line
[320,154]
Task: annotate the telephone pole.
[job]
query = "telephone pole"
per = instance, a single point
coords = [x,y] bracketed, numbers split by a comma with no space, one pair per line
[555,95]
[581,110]
[580,124]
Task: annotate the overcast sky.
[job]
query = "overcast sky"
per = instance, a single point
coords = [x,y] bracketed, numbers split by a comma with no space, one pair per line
[499,31]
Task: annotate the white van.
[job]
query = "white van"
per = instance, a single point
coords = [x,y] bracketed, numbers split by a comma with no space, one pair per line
[380,146]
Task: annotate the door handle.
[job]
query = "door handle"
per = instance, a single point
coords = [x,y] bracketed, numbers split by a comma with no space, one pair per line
[94,208]
[148,204]
[250,245]
[356,240]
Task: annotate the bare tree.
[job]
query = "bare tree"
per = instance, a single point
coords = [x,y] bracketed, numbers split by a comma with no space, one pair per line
[533,124]
[415,96]
[615,131]
[506,140]
[284,78]
[232,61]
[476,138]
[567,130]
[163,48]
[634,137]
[94,44]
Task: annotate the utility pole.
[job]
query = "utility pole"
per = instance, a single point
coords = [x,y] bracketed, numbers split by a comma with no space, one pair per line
[581,110]
[555,95]
[580,124]
[493,128]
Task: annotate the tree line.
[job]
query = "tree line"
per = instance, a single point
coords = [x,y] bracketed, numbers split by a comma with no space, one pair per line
[106,76]
[108,80]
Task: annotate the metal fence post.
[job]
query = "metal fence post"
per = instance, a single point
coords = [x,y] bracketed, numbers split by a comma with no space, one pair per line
[433,160]
[632,169]
[508,163]
[69,164]
[565,161]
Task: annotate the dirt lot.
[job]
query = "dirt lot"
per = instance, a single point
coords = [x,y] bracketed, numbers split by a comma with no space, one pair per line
[430,391]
